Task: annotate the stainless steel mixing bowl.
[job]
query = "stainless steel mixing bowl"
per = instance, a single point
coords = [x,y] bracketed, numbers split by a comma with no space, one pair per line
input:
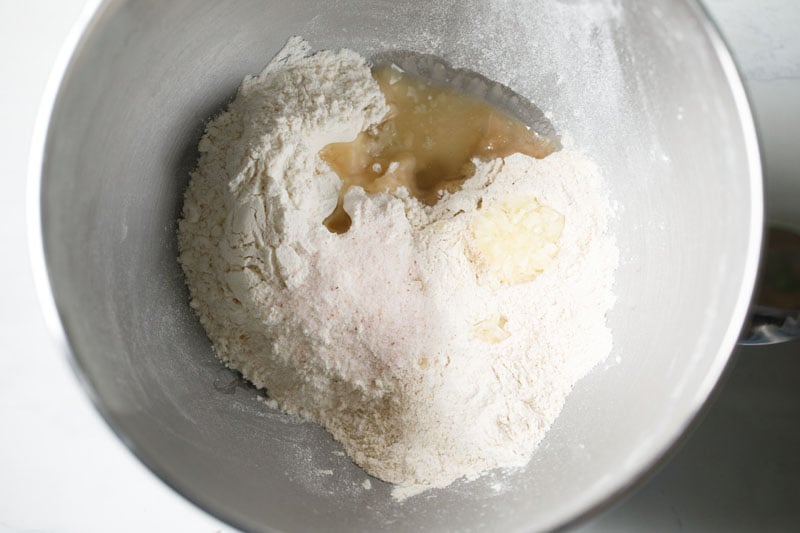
[646,88]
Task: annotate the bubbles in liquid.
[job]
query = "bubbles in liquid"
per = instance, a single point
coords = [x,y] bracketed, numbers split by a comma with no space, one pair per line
[426,143]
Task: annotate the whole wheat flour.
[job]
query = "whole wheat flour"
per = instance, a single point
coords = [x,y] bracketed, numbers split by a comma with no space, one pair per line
[426,339]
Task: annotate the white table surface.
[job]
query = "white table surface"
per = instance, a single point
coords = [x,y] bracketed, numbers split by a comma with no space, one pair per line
[61,468]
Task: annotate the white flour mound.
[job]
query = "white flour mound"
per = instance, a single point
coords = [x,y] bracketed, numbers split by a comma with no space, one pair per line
[371,333]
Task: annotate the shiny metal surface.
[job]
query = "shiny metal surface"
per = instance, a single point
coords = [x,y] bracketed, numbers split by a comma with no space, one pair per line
[663,113]
[775,312]
[771,326]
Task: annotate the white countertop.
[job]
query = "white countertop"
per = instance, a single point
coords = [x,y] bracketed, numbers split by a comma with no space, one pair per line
[62,469]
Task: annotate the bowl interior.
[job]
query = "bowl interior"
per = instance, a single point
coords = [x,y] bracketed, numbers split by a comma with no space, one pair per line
[645,89]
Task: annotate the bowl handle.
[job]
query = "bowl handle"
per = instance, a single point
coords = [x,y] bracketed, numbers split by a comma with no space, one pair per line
[775,311]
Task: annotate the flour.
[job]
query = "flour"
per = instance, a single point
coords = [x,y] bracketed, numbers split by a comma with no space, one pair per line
[372,333]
